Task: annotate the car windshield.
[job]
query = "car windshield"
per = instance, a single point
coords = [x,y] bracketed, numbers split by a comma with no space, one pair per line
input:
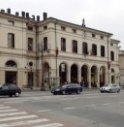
[111,85]
[64,86]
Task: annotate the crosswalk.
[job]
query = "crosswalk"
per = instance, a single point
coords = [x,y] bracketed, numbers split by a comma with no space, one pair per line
[12,117]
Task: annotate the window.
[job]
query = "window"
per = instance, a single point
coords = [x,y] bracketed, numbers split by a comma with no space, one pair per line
[63,44]
[74,30]
[30,44]
[11,40]
[112,79]
[30,28]
[45,27]
[85,48]
[11,63]
[102,51]
[112,70]
[11,22]
[93,35]
[63,28]
[112,55]
[101,37]
[74,46]
[45,43]
[94,50]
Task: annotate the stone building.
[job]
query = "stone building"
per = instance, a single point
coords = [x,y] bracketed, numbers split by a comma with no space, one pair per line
[121,65]
[34,51]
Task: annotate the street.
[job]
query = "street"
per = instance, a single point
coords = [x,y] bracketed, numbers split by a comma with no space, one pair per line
[40,109]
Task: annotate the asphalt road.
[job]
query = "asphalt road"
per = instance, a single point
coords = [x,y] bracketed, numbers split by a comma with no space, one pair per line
[42,109]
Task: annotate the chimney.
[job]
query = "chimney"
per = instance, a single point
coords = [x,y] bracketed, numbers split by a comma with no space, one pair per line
[27,15]
[23,14]
[9,11]
[44,16]
[83,22]
[2,10]
[33,17]
[38,18]
[17,13]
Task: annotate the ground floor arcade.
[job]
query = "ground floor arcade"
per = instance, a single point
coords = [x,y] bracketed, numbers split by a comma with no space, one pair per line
[89,74]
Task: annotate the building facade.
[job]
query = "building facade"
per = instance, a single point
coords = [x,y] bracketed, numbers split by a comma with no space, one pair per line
[121,65]
[52,51]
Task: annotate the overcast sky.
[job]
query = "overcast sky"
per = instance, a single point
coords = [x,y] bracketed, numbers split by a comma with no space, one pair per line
[105,15]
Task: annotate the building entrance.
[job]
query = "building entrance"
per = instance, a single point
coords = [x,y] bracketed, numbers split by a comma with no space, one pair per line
[10,77]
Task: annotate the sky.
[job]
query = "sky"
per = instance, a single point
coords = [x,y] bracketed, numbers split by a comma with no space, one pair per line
[104,15]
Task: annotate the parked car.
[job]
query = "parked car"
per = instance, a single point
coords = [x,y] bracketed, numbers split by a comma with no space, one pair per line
[110,88]
[10,90]
[68,88]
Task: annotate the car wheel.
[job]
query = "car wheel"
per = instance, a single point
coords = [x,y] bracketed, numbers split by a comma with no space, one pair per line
[10,95]
[17,94]
[63,92]
[118,91]
[78,91]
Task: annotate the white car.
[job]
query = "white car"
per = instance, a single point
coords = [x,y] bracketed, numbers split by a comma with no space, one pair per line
[110,88]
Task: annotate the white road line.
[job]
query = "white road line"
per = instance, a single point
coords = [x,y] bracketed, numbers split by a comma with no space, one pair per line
[12,114]
[45,110]
[20,123]
[8,110]
[51,125]
[69,108]
[1,105]
[4,107]
[107,104]
[17,118]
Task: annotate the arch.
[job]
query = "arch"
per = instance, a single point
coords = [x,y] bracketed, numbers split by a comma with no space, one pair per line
[84,75]
[63,72]
[11,76]
[94,74]
[46,75]
[11,63]
[74,73]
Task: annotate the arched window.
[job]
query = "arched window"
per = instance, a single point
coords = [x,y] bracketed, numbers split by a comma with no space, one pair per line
[11,63]
[112,56]
[94,49]
[74,46]
[102,50]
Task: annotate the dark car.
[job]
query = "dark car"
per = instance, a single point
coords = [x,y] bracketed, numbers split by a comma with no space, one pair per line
[67,89]
[10,90]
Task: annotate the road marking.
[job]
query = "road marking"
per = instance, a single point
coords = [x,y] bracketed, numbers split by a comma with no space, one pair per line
[12,114]
[4,107]
[45,110]
[17,118]
[51,125]
[69,108]
[8,110]
[20,123]
[107,104]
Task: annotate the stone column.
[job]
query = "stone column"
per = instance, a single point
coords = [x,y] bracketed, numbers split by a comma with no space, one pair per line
[68,74]
[79,74]
[98,78]
[89,77]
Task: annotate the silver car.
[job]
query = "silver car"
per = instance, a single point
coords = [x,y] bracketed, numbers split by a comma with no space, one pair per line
[110,88]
